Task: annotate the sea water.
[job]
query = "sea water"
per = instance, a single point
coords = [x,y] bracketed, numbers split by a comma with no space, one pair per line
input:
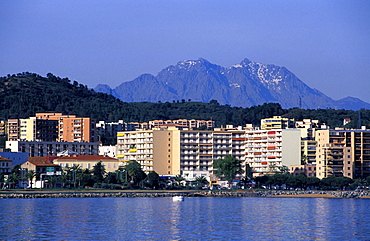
[195,218]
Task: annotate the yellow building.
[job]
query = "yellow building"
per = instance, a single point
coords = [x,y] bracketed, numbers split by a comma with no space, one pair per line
[88,161]
[170,151]
[308,151]
[136,145]
[277,122]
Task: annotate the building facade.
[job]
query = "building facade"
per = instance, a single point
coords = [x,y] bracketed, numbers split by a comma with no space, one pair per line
[343,153]
[268,151]
[277,122]
[171,151]
[5,165]
[88,161]
[43,148]
[72,128]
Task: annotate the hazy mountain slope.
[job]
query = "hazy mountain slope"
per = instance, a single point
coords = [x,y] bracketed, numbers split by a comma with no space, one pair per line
[245,84]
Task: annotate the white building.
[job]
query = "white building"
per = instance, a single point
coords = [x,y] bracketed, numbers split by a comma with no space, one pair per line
[268,150]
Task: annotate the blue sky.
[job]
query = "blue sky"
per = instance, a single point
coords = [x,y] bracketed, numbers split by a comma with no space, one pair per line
[324,43]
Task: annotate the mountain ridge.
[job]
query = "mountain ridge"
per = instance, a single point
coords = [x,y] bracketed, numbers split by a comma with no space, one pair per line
[242,85]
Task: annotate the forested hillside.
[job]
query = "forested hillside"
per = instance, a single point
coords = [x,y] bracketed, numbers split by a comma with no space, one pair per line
[25,94]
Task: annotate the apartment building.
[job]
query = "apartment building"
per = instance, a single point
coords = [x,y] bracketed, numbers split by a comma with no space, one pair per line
[44,148]
[308,151]
[136,145]
[13,129]
[343,153]
[277,122]
[33,129]
[72,128]
[170,151]
[267,151]
[111,128]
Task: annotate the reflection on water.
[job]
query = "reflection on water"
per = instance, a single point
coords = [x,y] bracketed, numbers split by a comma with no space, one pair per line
[195,218]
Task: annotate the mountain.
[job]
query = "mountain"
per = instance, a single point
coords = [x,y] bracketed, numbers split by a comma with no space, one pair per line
[25,94]
[242,85]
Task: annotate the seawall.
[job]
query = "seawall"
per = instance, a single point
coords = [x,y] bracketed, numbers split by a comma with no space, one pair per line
[263,193]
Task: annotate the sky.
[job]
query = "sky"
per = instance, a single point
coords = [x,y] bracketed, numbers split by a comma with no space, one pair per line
[325,43]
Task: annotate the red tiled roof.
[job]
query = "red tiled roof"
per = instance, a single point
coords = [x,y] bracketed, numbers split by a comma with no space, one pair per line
[41,161]
[4,159]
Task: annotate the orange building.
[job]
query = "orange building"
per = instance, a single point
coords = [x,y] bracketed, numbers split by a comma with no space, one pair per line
[72,128]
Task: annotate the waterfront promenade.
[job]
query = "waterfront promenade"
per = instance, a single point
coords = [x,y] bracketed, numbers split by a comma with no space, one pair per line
[185,193]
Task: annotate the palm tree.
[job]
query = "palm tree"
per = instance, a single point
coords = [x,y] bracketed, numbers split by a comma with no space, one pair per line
[201,181]
[30,175]
[52,181]
[13,179]
[178,179]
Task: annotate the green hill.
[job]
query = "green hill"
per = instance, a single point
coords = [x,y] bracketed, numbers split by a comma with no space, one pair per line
[23,95]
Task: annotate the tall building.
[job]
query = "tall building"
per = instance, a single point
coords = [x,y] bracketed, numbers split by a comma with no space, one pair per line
[267,151]
[136,145]
[13,129]
[172,151]
[110,128]
[72,128]
[33,129]
[343,153]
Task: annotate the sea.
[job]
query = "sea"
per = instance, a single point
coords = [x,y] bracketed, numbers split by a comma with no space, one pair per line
[195,218]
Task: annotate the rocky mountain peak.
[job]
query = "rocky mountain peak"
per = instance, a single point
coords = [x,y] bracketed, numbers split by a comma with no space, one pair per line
[245,84]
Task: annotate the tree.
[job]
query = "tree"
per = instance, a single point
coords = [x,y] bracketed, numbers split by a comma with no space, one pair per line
[52,180]
[227,167]
[72,174]
[152,179]
[248,171]
[134,171]
[99,171]
[30,175]
[13,179]
[284,169]
[178,180]
[201,181]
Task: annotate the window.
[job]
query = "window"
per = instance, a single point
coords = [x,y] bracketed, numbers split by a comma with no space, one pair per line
[349,168]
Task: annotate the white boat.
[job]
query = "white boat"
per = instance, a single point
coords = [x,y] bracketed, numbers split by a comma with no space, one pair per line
[178,198]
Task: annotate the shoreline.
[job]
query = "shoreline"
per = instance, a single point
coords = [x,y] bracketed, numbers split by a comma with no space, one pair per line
[186,193]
